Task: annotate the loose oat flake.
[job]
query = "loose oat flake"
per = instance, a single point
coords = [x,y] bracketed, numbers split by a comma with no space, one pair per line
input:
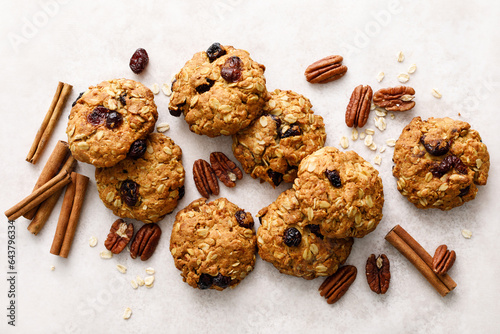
[106,254]
[412,68]
[362,135]
[354,134]
[150,271]
[370,132]
[344,142]
[139,280]
[390,142]
[377,160]
[149,280]
[155,88]
[52,268]
[391,115]
[373,147]
[127,313]
[436,93]
[121,268]
[92,241]
[401,56]
[403,77]
[134,284]
[380,76]
[466,234]
[165,88]
[380,112]
[382,149]
[163,127]
[368,140]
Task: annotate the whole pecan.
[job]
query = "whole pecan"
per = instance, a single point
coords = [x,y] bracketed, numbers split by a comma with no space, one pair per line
[119,236]
[395,98]
[358,108]
[336,285]
[225,169]
[378,273]
[325,70]
[204,178]
[145,241]
[443,260]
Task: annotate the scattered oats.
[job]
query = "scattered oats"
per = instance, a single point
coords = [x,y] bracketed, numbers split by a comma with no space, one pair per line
[92,241]
[380,112]
[380,123]
[344,142]
[163,127]
[165,88]
[382,149]
[362,135]
[134,284]
[370,132]
[380,76]
[377,160]
[372,106]
[155,88]
[127,313]
[401,56]
[390,142]
[150,271]
[368,140]
[392,116]
[373,147]
[436,93]
[354,134]
[407,97]
[412,68]
[106,254]
[466,234]
[149,280]
[403,77]
[121,268]
[139,280]
[52,268]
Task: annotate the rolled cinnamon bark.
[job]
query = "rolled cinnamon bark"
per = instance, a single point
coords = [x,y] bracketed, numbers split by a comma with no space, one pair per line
[63,221]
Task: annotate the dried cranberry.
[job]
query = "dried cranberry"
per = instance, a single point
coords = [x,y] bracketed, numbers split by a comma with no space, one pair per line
[277,120]
[215,51]
[241,218]
[182,192]
[292,237]
[222,281]
[137,149]
[122,99]
[315,230]
[139,61]
[294,130]
[276,177]
[205,281]
[231,70]
[449,162]
[177,112]
[98,115]
[205,87]
[464,191]
[113,120]
[334,178]
[437,147]
[79,96]
[129,192]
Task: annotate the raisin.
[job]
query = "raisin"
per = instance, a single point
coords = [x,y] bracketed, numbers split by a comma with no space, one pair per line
[464,191]
[137,149]
[292,237]
[449,162]
[315,230]
[139,61]
[334,178]
[122,99]
[241,218]
[98,115]
[177,112]
[205,87]
[222,281]
[129,192]
[182,192]
[113,120]
[215,51]
[276,177]
[205,281]
[231,70]
[294,130]
[436,147]
[277,120]
[79,96]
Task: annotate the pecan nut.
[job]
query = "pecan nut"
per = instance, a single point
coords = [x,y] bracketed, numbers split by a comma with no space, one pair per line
[443,260]
[204,178]
[225,169]
[145,241]
[336,285]
[378,273]
[359,105]
[395,98]
[325,70]
[119,236]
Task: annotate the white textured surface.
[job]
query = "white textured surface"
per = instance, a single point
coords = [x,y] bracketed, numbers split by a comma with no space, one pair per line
[455,45]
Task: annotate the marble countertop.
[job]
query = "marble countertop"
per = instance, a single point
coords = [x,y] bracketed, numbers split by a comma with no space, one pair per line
[455,47]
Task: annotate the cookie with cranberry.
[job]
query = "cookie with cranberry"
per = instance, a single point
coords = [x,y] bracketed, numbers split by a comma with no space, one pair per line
[439,163]
[147,184]
[272,147]
[293,245]
[341,192]
[220,91]
[107,118]
[213,244]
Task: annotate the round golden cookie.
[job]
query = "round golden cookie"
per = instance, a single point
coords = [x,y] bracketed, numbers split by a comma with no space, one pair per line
[108,118]
[220,91]
[272,147]
[145,188]
[295,247]
[439,163]
[213,244]
[341,192]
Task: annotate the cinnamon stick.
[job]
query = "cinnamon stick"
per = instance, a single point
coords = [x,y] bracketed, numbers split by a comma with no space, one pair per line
[49,122]
[63,221]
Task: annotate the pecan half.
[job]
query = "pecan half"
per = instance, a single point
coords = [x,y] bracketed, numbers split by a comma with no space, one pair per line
[325,70]
[204,178]
[358,108]
[395,98]
[145,241]
[225,169]
[378,273]
[119,236]
[443,260]
[336,285]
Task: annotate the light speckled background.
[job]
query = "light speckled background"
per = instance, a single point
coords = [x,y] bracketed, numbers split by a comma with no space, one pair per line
[455,45]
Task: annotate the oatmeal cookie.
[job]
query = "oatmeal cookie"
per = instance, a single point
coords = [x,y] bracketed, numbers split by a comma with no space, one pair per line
[220,91]
[341,192]
[108,118]
[213,244]
[146,185]
[294,246]
[272,147]
[439,163]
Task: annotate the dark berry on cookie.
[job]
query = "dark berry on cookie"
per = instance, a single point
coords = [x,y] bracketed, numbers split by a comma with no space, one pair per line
[231,70]
[129,192]
[277,120]
[122,99]
[205,281]
[205,87]
[447,164]
[79,96]
[436,147]
[139,61]
[113,120]
[315,230]
[222,281]
[334,178]
[294,130]
[182,192]
[276,177]
[98,115]
[137,149]
[177,112]
[464,191]
[215,51]
[292,237]
[241,218]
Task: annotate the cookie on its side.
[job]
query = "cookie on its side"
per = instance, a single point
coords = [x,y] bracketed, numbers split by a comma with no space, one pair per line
[213,244]
[272,147]
[145,188]
[439,163]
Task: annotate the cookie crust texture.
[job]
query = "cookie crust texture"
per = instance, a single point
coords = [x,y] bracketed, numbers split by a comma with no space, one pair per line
[279,140]
[221,107]
[207,239]
[159,174]
[99,145]
[352,210]
[413,163]
[314,256]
